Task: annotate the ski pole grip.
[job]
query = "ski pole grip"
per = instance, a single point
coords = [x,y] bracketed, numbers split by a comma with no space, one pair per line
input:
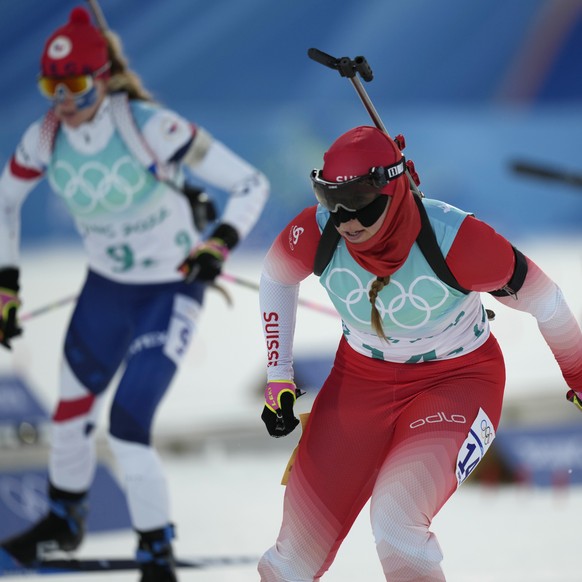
[322,58]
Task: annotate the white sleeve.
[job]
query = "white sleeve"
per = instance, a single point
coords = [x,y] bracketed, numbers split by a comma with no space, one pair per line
[19,177]
[542,298]
[278,303]
[248,188]
[170,135]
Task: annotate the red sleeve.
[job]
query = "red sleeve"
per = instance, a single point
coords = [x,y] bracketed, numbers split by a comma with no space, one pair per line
[291,256]
[480,258]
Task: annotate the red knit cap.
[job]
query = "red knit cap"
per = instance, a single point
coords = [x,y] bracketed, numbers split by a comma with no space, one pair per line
[358,150]
[77,48]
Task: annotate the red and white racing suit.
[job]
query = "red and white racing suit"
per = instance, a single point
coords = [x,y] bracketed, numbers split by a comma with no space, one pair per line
[402,434]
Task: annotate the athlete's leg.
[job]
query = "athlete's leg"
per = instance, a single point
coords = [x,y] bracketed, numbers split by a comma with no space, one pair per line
[167,319]
[419,473]
[95,345]
[336,466]
[72,459]
[166,325]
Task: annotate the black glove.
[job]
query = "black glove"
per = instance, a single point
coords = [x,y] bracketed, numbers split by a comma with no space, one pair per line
[205,260]
[9,304]
[278,416]
[574,399]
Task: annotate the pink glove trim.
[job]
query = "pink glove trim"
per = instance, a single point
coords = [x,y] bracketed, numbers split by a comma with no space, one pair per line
[274,390]
[214,246]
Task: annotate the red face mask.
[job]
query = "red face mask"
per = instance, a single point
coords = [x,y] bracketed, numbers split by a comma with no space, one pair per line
[386,251]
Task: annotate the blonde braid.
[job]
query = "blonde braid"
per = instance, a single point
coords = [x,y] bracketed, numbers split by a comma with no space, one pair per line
[375,288]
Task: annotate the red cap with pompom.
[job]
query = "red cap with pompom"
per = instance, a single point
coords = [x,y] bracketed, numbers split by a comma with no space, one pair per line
[77,48]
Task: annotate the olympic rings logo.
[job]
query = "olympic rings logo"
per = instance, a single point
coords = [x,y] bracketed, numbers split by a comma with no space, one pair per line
[486,432]
[401,301]
[97,185]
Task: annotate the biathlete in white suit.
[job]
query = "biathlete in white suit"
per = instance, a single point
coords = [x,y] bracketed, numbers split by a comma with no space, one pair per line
[414,396]
[108,152]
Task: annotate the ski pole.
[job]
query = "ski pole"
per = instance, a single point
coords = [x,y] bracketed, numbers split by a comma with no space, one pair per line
[535,170]
[304,302]
[350,68]
[98,15]
[46,308]
[224,276]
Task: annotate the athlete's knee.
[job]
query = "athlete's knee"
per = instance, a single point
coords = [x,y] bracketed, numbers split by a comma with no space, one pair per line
[133,457]
[72,459]
[283,563]
[273,567]
[401,517]
[408,552]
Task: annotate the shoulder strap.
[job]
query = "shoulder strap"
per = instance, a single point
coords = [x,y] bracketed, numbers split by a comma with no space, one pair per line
[429,246]
[326,247]
[130,133]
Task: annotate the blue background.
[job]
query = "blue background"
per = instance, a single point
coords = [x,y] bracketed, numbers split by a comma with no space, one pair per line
[472,86]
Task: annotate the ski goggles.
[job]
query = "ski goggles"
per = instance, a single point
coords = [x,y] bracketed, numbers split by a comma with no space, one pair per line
[77,86]
[357,193]
[366,216]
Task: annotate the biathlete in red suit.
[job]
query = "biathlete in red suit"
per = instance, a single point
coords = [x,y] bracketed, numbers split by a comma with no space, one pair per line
[415,393]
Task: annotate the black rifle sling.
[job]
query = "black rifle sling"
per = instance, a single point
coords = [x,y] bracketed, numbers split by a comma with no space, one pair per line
[326,247]
[426,241]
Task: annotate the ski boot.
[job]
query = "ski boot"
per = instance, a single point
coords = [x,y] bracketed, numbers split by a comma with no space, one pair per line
[62,528]
[155,556]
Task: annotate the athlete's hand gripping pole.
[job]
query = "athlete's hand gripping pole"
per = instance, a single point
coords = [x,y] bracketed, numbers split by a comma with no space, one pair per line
[350,68]
[278,415]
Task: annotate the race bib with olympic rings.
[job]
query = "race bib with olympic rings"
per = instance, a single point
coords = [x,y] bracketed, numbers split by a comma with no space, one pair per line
[479,439]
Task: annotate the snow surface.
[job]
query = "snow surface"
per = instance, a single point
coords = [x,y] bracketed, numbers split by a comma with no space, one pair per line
[230,504]
[227,499]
